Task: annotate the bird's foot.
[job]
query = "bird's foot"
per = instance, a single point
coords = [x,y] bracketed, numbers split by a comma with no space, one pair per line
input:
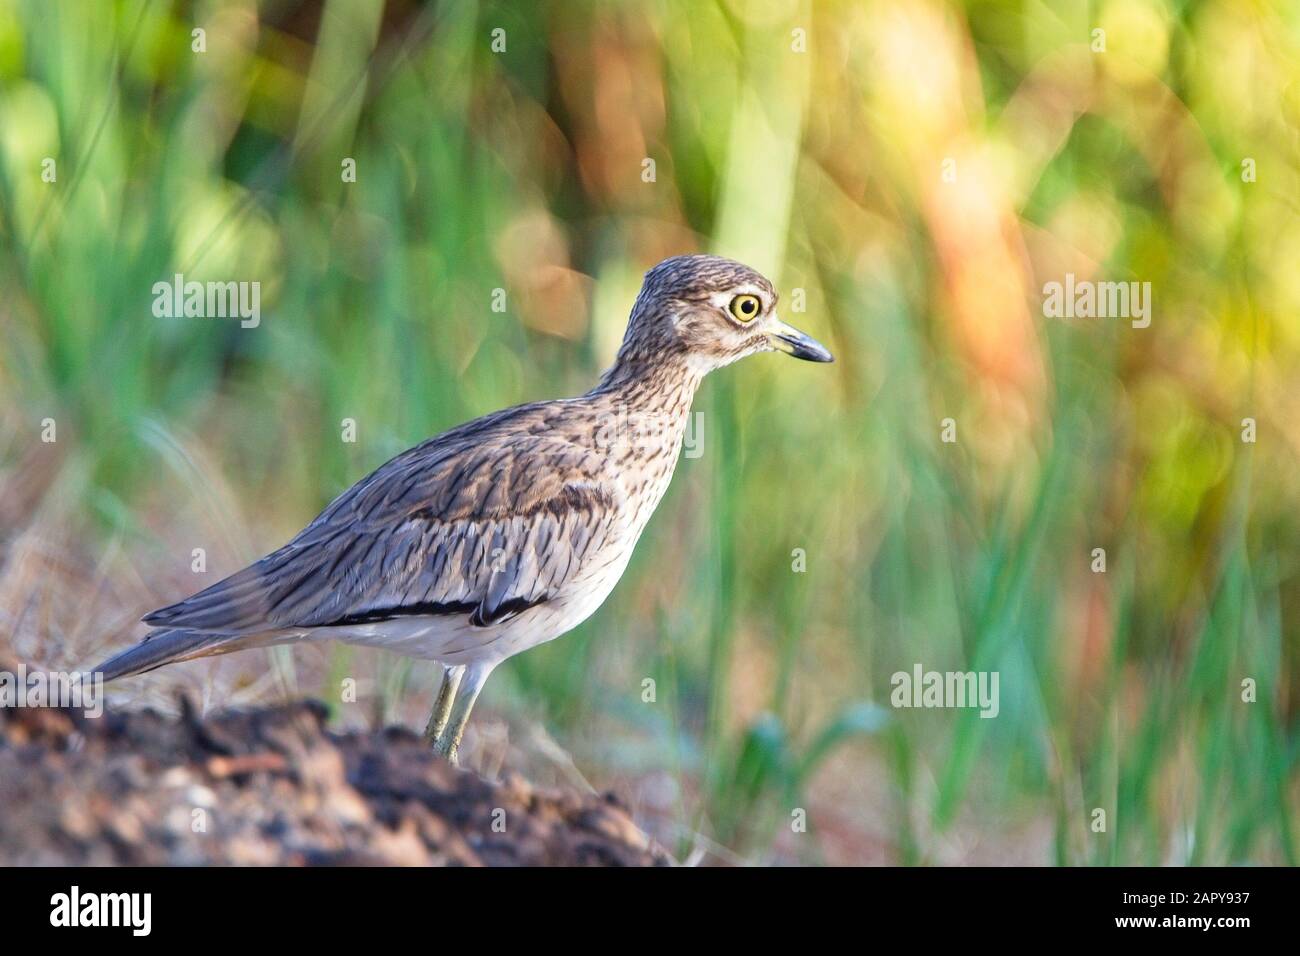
[460,687]
[448,750]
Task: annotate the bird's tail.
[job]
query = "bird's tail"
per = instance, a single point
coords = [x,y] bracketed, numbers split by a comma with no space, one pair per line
[166,647]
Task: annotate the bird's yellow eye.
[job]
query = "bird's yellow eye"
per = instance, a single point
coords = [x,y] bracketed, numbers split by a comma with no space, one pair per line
[746,307]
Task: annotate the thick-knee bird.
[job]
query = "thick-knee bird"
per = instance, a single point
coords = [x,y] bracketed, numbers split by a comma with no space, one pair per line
[505,532]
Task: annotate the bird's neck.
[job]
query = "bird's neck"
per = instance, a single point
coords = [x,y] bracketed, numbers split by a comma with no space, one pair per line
[665,386]
[644,414]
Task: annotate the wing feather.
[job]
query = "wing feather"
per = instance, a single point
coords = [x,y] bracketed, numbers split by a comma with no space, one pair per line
[486,522]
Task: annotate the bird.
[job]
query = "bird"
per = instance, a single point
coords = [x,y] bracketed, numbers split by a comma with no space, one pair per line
[505,532]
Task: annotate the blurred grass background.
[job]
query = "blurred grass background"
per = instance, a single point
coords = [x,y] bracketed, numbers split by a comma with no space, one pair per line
[810,140]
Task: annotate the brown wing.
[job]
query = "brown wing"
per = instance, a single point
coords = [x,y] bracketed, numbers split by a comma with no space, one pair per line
[487,520]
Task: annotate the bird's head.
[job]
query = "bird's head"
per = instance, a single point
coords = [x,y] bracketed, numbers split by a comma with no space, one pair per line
[708,312]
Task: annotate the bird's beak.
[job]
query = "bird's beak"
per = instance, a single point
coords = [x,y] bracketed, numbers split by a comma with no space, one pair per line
[788,339]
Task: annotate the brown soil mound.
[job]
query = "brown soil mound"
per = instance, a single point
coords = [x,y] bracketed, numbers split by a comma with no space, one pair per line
[271,787]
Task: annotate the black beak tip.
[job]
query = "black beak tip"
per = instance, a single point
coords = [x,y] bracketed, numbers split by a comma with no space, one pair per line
[808,349]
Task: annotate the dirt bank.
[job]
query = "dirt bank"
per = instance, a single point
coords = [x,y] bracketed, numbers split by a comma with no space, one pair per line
[274,786]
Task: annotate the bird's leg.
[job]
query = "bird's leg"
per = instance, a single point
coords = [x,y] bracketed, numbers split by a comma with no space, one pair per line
[442,703]
[448,742]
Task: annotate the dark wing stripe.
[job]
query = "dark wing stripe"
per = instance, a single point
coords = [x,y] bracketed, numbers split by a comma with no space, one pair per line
[419,609]
[503,611]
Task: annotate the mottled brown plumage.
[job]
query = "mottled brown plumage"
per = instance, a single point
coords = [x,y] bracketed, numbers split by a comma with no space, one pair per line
[503,532]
